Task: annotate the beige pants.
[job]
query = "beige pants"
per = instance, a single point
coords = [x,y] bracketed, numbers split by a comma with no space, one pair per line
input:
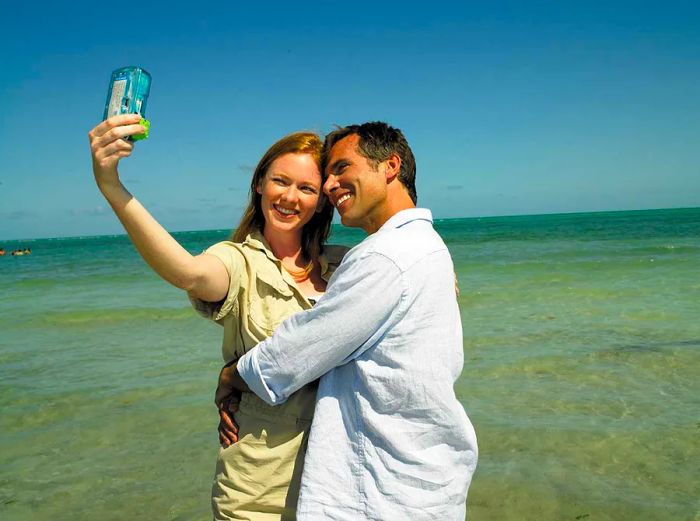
[257,478]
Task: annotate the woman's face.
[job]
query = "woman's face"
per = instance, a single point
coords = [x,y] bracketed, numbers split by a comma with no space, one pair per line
[290,192]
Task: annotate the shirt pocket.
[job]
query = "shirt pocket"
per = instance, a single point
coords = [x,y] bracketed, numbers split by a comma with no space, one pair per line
[271,300]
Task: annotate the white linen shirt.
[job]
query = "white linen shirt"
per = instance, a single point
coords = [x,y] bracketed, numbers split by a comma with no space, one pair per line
[389,439]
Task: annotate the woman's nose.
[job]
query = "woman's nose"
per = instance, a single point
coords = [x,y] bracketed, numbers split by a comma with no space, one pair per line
[290,194]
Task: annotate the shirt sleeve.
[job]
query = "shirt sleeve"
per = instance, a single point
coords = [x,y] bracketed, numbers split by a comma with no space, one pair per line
[363,300]
[234,263]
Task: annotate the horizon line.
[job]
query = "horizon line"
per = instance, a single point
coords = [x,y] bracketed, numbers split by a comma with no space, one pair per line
[335,223]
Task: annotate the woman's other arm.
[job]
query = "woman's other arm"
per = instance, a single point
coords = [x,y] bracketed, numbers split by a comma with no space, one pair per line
[203,276]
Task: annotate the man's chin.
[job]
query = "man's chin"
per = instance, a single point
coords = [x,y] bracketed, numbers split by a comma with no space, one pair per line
[349,222]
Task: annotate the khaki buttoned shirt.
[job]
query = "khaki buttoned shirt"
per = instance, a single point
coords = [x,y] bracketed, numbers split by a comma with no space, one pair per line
[257,478]
[261,292]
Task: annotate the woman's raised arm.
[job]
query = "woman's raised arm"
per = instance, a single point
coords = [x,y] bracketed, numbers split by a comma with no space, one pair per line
[203,276]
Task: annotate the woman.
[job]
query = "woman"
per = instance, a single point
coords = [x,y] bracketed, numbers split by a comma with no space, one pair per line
[275,265]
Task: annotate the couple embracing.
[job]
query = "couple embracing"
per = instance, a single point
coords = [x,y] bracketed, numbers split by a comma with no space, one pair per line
[337,399]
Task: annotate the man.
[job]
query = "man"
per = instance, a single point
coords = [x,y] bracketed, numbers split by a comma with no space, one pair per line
[389,439]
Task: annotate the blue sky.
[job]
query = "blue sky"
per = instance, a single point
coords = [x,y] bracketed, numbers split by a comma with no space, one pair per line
[510,107]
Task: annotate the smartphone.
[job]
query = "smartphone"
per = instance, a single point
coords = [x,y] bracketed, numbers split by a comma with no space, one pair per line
[128,92]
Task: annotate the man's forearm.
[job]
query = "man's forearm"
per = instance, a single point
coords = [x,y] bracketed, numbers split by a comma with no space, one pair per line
[356,311]
[233,380]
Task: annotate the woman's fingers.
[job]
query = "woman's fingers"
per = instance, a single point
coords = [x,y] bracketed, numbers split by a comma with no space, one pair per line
[113,122]
[114,134]
[106,155]
[107,143]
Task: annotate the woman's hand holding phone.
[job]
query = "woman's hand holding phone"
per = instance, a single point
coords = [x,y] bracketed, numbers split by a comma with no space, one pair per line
[108,144]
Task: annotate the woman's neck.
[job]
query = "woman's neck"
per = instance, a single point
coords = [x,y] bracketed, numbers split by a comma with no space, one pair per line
[287,248]
[285,245]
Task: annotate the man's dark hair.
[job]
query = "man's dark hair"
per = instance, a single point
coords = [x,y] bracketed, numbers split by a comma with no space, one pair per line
[377,142]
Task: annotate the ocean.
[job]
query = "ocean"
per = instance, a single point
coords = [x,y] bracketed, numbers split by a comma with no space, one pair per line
[581,374]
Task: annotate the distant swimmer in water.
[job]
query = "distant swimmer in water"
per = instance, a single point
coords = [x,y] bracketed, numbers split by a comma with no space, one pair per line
[17,253]
[27,251]
[2,252]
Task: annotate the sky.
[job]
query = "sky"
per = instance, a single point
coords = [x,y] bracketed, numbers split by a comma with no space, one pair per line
[510,107]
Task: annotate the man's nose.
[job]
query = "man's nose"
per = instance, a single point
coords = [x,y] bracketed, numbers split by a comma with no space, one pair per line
[330,184]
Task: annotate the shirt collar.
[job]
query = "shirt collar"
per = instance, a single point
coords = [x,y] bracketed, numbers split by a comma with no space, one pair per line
[257,241]
[406,216]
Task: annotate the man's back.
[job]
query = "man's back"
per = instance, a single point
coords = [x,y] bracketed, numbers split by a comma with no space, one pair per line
[389,439]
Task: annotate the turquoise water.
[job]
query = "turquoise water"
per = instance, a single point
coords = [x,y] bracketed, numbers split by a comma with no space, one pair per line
[582,373]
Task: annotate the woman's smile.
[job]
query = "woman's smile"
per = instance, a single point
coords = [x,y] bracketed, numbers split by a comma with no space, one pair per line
[286,212]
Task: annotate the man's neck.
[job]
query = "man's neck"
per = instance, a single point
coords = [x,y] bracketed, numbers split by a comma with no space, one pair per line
[393,205]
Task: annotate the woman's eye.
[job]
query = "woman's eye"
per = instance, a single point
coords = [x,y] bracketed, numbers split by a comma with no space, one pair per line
[308,189]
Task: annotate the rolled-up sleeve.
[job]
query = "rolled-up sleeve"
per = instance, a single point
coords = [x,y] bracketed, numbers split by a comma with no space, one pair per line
[365,297]
[227,253]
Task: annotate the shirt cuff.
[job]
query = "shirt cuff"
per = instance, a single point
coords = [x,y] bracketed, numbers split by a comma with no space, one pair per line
[249,369]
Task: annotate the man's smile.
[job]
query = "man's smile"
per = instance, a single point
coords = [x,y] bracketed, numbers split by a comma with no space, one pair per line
[342,199]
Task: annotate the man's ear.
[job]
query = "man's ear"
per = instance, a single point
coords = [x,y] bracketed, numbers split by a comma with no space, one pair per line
[393,167]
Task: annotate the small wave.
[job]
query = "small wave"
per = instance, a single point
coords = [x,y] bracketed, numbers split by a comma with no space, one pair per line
[35,283]
[666,249]
[106,316]
[76,281]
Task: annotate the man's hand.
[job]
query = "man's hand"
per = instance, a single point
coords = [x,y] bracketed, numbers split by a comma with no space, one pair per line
[228,428]
[227,398]
[230,382]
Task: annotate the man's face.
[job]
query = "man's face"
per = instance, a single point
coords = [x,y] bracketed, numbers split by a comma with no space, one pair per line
[354,187]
